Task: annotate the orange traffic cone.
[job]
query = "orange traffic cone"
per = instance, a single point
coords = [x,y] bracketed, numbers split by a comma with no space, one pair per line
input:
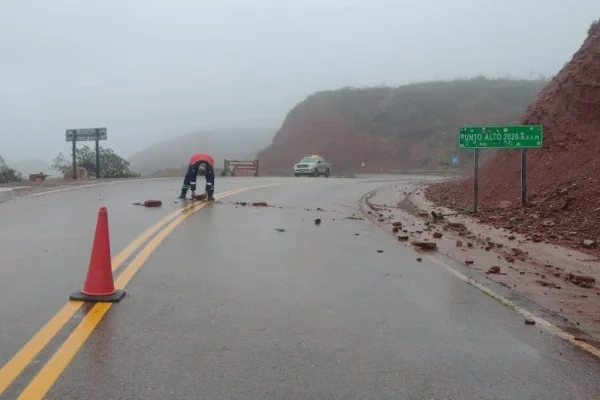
[99,285]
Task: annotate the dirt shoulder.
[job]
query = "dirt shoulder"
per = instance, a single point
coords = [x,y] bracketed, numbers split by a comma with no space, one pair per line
[563,282]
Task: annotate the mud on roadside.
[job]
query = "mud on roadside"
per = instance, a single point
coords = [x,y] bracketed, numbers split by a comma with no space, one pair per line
[561,281]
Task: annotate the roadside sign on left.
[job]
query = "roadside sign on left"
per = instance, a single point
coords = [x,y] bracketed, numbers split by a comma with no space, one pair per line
[86,135]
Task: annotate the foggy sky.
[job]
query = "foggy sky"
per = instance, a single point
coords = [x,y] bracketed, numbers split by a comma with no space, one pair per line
[150,69]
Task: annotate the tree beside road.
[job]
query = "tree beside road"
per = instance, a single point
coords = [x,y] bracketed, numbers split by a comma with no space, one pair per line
[111,164]
[7,174]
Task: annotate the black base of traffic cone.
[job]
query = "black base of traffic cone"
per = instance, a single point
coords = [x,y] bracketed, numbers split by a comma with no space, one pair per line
[111,298]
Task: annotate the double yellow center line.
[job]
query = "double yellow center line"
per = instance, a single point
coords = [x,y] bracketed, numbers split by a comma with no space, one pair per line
[44,380]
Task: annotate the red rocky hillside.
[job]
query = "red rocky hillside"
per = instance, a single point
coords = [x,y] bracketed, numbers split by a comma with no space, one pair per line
[563,176]
[411,126]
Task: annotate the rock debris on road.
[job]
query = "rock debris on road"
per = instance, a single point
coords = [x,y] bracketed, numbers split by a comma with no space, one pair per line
[301,315]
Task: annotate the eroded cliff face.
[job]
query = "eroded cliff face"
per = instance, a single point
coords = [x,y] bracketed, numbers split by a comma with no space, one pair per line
[563,176]
[411,126]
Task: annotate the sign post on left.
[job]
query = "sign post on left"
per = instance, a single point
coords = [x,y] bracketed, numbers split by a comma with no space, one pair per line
[86,135]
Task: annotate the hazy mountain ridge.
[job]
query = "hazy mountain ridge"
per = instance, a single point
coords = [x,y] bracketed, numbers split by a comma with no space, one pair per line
[220,143]
[31,166]
[409,126]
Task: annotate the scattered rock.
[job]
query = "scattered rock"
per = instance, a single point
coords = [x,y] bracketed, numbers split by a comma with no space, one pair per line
[427,246]
[402,238]
[398,224]
[585,282]
[319,209]
[356,234]
[469,244]
[589,244]
[437,235]
[423,214]
[548,223]
[518,252]
[469,262]
[318,221]
[529,321]
[280,230]
[504,204]
[395,229]
[380,251]
[355,217]
[459,243]
[241,203]
[149,203]
[419,259]
[511,237]
[493,270]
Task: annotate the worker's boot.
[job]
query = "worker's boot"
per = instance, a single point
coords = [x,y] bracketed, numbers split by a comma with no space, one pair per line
[183,194]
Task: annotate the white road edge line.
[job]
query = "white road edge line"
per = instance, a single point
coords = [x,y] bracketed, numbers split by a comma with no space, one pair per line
[91,185]
[94,184]
[527,314]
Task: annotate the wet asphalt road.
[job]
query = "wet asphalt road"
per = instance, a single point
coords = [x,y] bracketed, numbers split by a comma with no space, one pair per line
[229,308]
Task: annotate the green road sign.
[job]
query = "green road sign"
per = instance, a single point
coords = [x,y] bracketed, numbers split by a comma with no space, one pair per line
[500,137]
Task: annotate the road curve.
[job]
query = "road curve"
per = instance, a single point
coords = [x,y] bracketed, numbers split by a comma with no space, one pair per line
[242,302]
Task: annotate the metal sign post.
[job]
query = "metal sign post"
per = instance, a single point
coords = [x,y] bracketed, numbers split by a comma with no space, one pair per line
[74,156]
[86,135]
[475,179]
[97,154]
[523,177]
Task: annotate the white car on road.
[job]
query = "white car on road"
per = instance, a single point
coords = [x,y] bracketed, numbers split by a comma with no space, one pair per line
[312,166]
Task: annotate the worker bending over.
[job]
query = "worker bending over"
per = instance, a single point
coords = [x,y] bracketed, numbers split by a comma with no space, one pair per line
[200,164]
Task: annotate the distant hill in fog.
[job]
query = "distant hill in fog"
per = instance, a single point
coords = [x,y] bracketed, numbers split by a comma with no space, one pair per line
[221,144]
[26,167]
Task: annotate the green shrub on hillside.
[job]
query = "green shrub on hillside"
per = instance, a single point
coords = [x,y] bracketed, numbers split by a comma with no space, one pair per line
[593,26]
[424,110]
